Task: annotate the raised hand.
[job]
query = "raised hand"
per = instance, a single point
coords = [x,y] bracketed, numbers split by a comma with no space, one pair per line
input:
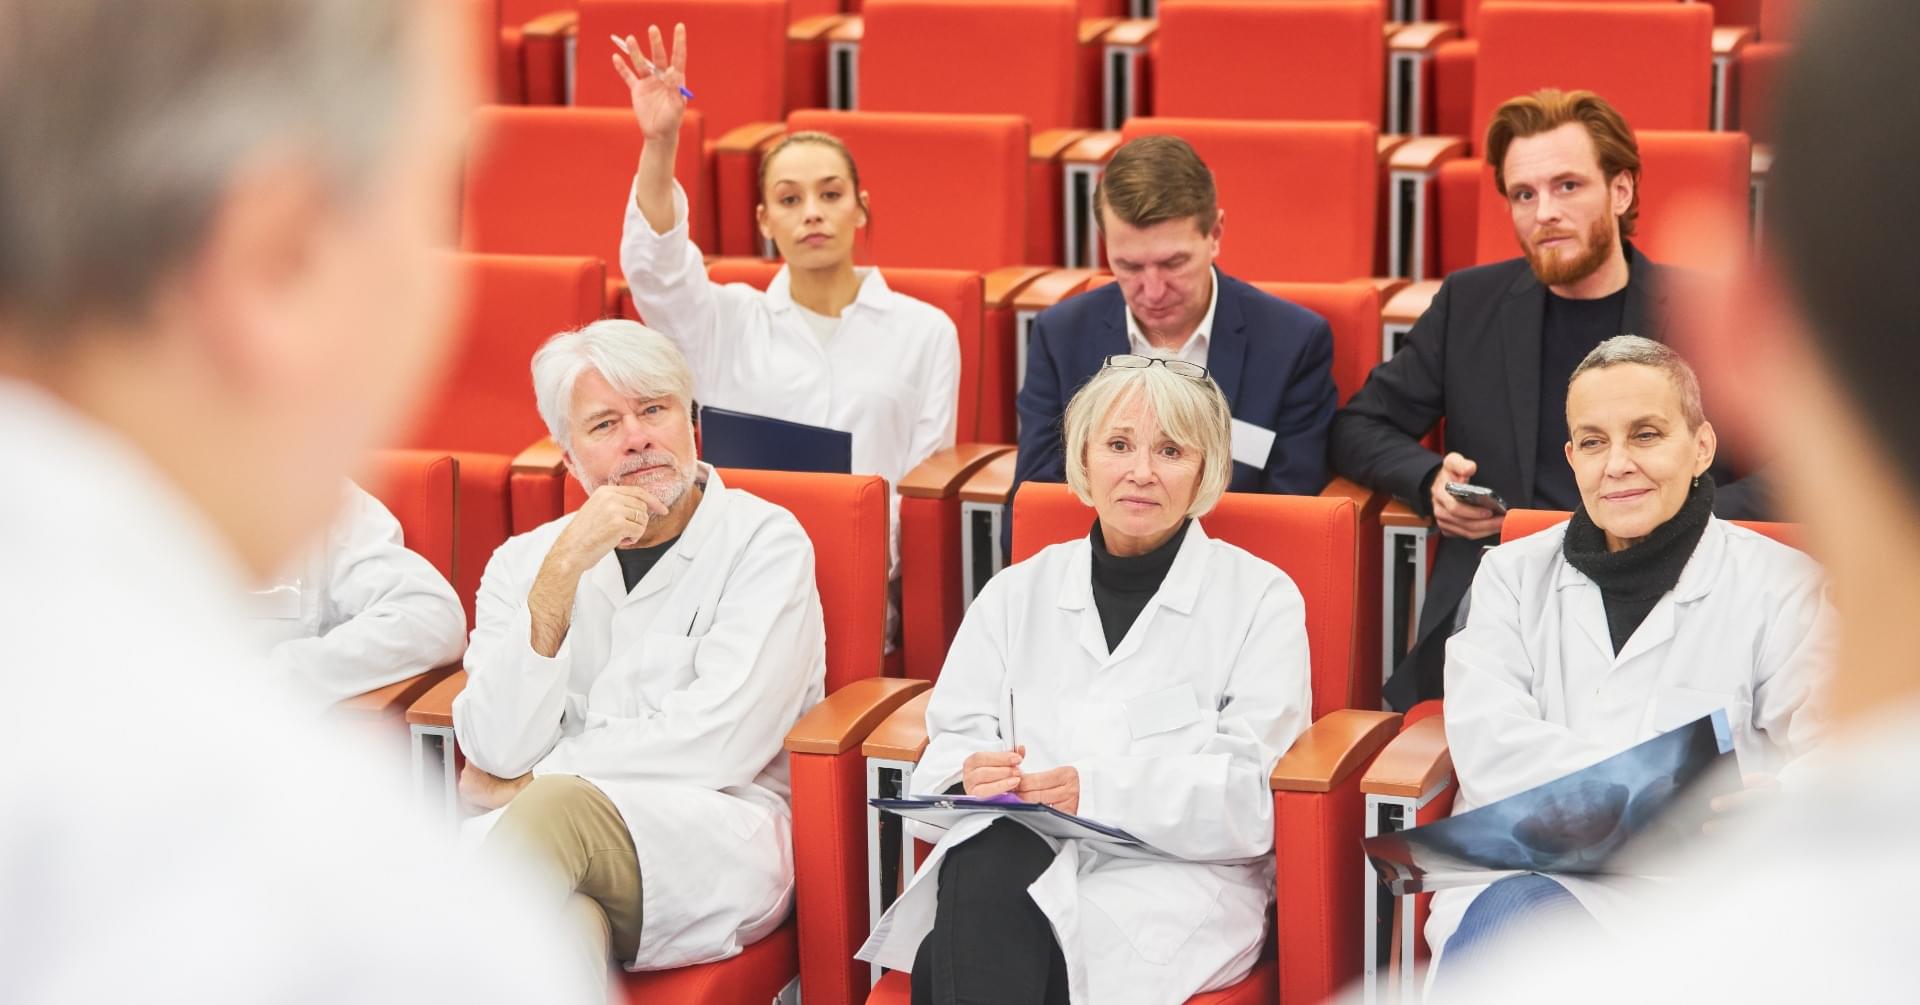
[654,84]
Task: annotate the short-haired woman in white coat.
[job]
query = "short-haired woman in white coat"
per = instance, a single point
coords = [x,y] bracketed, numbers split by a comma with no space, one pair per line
[1155,675]
[827,344]
[1639,615]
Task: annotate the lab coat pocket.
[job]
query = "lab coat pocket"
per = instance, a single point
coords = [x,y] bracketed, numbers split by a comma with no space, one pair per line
[1156,721]
[1158,904]
[1675,706]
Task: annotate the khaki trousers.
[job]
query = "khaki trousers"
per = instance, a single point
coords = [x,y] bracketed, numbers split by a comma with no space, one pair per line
[579,847]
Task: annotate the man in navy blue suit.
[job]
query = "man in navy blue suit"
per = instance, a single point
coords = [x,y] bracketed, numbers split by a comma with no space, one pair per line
[1160,220]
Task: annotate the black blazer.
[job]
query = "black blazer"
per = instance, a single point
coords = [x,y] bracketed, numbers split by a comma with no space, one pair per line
[1474,359]
[1272,359]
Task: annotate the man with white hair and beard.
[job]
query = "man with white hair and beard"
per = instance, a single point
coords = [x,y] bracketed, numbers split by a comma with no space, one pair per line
[1491,356]
[635,667]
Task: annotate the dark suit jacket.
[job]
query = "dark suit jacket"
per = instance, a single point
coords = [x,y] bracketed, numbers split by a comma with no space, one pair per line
[1474,359]
[1272,359]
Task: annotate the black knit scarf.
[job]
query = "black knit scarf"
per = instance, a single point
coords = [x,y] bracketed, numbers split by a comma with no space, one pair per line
[1634,579]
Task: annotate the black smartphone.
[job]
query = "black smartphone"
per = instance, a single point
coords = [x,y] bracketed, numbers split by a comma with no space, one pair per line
[1478,495]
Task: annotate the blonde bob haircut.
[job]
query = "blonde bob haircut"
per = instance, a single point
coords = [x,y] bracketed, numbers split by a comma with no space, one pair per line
[1192,413]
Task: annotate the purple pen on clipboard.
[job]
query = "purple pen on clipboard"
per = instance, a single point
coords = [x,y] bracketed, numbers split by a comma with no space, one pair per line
[621,44]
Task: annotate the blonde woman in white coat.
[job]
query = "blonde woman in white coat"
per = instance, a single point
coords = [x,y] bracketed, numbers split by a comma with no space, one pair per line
[1640,614]
[827,344]
[1156,675]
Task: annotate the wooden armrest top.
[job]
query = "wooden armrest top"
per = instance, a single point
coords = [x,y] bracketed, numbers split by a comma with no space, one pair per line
[902,735]
[1386,286]
[813,29]
[1421,36]
[435,708]
[392,700]
[1049,144]
[1427,153]
[848,715]
[1332,749]
[1729,39]
[1411,765]
[1093,148]
[1398,514]
[1762,159]
[1127,32]
[1000,285]
[1091,29]
[1409,302]
[1365,499]
[544,457]
[748,137]
[942,474]
[850,28]
[993,482]
[1384,144]
[553,24]
[1044,291]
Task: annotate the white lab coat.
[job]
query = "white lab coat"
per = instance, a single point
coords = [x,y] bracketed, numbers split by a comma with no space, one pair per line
[890,376]
[173,830]
[359,611]
[675,700]
[1534,690]
[1174,735]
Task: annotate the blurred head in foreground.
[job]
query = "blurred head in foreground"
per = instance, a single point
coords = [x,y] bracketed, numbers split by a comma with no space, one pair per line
[216,222]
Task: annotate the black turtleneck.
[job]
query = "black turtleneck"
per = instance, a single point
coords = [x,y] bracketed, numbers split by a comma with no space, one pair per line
[635,563]
[1122,586]
[1634,579]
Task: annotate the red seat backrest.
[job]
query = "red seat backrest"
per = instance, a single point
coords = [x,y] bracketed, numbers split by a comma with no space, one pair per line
[1521,522]
[1310,538]
[1675,168]
[738,55]
[555,181]
[948,191]
[511,304]
[1652,61]
[1007,57]
[1304,195]
[1321,60]
[1470,12]
[420,489]
[1352,310]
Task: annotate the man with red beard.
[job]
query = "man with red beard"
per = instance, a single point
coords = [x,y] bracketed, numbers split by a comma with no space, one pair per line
[1493,353]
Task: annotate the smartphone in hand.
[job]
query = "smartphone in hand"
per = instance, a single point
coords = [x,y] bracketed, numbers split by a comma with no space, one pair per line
[1478,495]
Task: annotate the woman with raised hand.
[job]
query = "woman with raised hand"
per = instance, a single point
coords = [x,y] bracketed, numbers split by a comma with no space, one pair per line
[828,343]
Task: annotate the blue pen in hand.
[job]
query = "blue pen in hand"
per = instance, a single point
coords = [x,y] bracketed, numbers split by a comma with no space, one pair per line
[621,44]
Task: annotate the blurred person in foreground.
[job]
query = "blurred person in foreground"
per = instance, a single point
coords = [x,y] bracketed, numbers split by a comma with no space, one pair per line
[217,289]
[1800,899]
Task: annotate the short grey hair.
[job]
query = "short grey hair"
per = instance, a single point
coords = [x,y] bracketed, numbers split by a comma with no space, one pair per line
[636,360]
[122,122]
[1624,349]
[1193,413]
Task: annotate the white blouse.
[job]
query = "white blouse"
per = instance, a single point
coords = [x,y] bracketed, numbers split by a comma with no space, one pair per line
[890,375]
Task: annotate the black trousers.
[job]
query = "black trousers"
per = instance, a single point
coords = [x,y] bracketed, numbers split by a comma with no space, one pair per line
[990,944]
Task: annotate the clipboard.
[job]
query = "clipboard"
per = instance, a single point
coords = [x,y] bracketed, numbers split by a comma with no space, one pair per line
[947,811]
[730,439]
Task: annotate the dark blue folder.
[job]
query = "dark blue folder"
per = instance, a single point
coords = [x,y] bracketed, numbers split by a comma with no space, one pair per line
[730,439]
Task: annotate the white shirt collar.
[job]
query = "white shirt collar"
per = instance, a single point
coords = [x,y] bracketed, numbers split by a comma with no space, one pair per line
[1195,348]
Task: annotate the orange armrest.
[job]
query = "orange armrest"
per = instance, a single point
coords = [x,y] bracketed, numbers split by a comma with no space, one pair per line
[544,457]
[1049,144]
[553,24]
[1369,502]
[1092,29]
[848,715]
[1425,154]
[1413,764]
[1332,749]
[993,483]
[1386,286]
[1000,285]
[1046,290]
[1729,39]
[1134,32]
[1421,36]
[902,735]
[1385,145]
[1410,301]
[435,708]
[1093,148]
[1398,514]
[393,699]
[748,138]
[941,475]
[813,29]
[850,29]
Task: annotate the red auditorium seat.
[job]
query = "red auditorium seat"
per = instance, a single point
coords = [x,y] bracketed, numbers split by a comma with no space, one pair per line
[1321,60]
[1003,57]
[737,55]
